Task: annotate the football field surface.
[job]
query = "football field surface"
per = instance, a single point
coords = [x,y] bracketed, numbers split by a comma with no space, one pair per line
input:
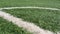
[42,13]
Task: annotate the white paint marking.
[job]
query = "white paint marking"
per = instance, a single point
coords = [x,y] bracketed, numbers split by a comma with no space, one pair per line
[30,8]
[27,25]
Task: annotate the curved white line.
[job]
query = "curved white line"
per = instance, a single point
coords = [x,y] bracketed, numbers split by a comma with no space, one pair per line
[30,8]
[27,25]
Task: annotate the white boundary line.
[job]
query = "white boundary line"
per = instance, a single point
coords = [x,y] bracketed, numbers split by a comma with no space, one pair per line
[27,25]
[30,8]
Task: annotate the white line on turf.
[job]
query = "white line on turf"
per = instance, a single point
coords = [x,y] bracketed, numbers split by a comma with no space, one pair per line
[27,25]
[30,8]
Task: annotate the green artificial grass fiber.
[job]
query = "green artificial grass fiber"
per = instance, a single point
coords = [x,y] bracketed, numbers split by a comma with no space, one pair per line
[40,3]
[10,28]
[46,19]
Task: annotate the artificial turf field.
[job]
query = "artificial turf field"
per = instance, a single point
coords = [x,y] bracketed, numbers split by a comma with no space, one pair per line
[46,19]
[40,3]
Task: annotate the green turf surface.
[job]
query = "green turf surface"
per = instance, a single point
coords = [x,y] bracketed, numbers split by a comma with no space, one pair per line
[46,19]
[40,3]
[10,28]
